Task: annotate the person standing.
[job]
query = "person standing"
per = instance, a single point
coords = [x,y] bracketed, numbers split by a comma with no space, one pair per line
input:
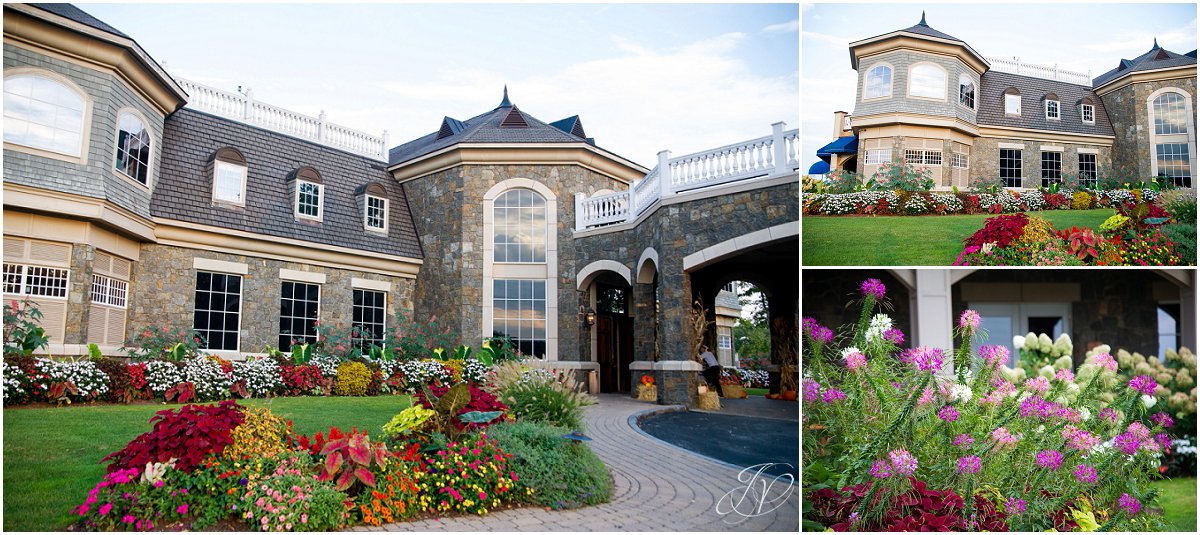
[712,370]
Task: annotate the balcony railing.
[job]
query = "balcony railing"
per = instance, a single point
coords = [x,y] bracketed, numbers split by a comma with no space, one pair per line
[244,108]
[756,159]
[1016,66]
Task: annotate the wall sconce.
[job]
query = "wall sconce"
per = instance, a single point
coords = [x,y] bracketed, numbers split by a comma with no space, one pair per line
[589,318]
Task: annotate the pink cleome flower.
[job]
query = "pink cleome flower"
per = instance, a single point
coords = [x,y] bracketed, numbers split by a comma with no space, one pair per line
[969,464]
[964,441]
[873,288]
[1014,506]
[893,335]
[856,360]
[903,462]
[1051,459]
[1105,360]
[1064,375]
[969,320]
[1085,474]
[1003,437]
[994,356]
[1037,384]
[926,358]
[1130,504]
[1163,419]
[948,413]
[1143,384]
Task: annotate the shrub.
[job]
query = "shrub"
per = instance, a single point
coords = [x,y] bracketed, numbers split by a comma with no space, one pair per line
[396,495]
[563,474]
[262,376]
[261,434]
[89,382]
[1036,230]
[123,387]
[175,344]
[468,477]
[209,378]
[1149,248]
[1082,200]
[22,334]
[844,182]
[1001,230]
[14,391]
[1184,237]
[1181,203]
[1057,201]
[902,175]
[539,399]
[299,380]
[294,502]
[189,434]
[161,376]
[353,378]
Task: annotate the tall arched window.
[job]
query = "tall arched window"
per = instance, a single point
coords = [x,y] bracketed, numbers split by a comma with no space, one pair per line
[1174,145]
[879,82]
[927,80]
[133,148]
[517,272]
[44,113]
[520,218]
[1169,114]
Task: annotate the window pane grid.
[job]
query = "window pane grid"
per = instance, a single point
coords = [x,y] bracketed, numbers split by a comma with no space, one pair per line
[923,157]
[42,113]
[958,160]
[1012,104]
[229,182]
[879,82]
[1052,109]
[966,92]
[1089,113]
[298,309]
[519,312]
[218,309]
[369,313]
[376,213]
[519,218]
[1051,168]
[309,200]
[1087,170]
[1174,163]
[1010,167]
[133,149]
[879,156]
[1170,114]
[35,280]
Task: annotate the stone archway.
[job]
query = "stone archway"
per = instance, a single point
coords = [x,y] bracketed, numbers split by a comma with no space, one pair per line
[608,290]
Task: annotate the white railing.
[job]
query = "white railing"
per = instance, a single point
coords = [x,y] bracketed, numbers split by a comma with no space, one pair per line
[761,158]
[243,107]
[1016,66]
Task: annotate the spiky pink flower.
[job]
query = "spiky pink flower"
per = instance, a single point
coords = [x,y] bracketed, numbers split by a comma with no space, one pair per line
[881,469]
[1126,443]
[1163,419]
[927,359]
[873,288]
[1109,414]
[964,441]
[1085,474]
[1105,360]
[969,320]
[993,356]
[1064,375]
[1051,459]
[1130,504]
[1079,439]
[948,413]
[812,390]
[856,360]
[969,464]
[1163,440]
[1140,431]
[822,334]
[1014,506]
[832,394]
[1003,437]
[903,462]
[894,335]
[1037,384]
[927,396]
[1144,384]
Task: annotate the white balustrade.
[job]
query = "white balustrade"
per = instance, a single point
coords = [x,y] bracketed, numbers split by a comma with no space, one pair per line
[1016,66]
[244,108]
[765,157]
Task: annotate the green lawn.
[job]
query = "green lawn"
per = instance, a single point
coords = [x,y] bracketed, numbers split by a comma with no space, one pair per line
[1178,499]
[52,455]
[908,240]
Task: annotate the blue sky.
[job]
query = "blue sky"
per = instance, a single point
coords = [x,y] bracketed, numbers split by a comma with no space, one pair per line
[1077,37]
[643,78]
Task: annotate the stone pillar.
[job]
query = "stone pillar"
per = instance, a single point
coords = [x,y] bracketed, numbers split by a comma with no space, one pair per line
[79,294]
[644,328]
[783,321]
[1187,313]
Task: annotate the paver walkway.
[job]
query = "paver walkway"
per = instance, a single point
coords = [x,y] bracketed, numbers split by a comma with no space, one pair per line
[658,487]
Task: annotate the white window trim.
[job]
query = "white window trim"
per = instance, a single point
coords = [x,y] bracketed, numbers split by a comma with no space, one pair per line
[367,210]
[891,82]
[1057,110]
[150,159]
[301,276]
[945,81]
[1083,117]
[85,135]
[106,295]
[884,156]
[1016,113]
[245,172]
[975,98]
[492,270]
[1173,138]
[25,275]
[386,300]
[220,266]
[241,309]
[320,201]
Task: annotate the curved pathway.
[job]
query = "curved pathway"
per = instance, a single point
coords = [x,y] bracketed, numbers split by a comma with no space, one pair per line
[657,487]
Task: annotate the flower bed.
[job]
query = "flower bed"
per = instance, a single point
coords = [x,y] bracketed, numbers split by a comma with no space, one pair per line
[946,440]
[900,202]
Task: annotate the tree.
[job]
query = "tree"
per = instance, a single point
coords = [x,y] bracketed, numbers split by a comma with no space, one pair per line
[751,338]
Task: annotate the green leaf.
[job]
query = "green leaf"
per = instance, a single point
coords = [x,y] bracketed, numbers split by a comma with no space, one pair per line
[477,417]
[454,399]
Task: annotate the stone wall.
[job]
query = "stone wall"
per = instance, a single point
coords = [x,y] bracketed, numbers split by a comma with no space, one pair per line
[1128,111]
[162,293]
[985,158]
[96,178]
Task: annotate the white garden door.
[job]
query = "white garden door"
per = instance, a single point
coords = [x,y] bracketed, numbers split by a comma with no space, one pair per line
[1003,321]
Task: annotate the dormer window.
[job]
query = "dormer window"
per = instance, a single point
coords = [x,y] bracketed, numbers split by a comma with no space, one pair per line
[1012,101]
[375,217]
[308,193]
[1088,112]
[229,177]
[1052,107]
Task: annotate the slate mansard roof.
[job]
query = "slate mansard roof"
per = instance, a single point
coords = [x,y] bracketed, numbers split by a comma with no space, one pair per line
[1033,90]
[1156,58]
[183,190]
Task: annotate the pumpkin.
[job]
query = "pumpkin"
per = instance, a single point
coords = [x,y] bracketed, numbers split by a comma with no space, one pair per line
[789,395]
[647,380]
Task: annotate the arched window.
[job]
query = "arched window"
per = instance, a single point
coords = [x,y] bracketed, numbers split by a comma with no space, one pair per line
[927,80]
[44,113]
[1174,144]
[1012,101]
[229,177]
[520,231]
[1170,115]
[879,82]
[966,91]
[133,148]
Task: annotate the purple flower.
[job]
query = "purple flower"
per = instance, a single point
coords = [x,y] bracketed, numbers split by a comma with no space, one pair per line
[832,394]
[812,390]
[969,464]
[1051,459]
[1085,474]
[1127,443]
[808,323]
[994,356]
[1140,431]
[1037,384]
[1105,360]
[853,518]
[1064,375]
[1079,439]
[969,319]
[822,334]
[856,360]
[1014,506]
[927,358]
[903,462]
[1143,384]
[964,441]
[894,335]
[881,469]
[1163,440]
[873,288]
[948,413]
[1109,414]
[1163,419]
[1130,504]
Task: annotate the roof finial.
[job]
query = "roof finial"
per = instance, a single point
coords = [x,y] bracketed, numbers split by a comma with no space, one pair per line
[922,23]
[1155,44]
[505,103]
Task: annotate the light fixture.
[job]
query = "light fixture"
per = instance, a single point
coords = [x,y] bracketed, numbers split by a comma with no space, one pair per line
[589,318]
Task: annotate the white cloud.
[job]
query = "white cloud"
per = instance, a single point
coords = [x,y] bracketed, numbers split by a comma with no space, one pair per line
[832,39]
[789,26]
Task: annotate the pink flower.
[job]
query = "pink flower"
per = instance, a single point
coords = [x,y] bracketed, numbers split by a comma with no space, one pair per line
[104,509]
[831,395]
[1139,430]
[881,469]
[926,396]
[128,519]
[1143,384]
[182,509]
[873,288]
[158,484]
[1015,506]
[927,359]
[1085,474]
[1037,384]
[1003,437]
[1109,414]
[1105,360]
[1163,419]
[994,356]
[894,335]
[1130,504]
[812,390]
[1051,459]
[303,518]
[969,320]
[482,495]
[1064,375]
[903,462]
[963,441]
[83,509]
[970,464]
[856,360]
[948,413]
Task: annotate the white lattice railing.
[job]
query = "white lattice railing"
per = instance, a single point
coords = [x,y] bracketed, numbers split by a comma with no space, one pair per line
[244,108]
[1016,66]
[764,157]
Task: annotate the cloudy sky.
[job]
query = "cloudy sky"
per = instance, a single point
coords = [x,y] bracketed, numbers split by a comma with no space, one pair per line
[642,78]
[1078,37]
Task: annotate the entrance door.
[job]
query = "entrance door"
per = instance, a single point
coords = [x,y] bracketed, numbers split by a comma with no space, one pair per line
[614,351]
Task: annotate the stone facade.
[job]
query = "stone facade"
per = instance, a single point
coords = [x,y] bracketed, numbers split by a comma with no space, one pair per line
[162,293]
[448,208]
[1128,109]
[985,158]
[108,96]
[901,61]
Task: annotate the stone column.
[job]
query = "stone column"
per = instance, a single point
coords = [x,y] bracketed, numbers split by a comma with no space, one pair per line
[677,371]
[79,294]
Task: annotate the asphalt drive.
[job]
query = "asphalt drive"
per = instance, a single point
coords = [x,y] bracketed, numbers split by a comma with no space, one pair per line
[738,440]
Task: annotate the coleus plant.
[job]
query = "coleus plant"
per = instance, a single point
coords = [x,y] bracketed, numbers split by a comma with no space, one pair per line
[349,459]
[1082,242]
[187,435]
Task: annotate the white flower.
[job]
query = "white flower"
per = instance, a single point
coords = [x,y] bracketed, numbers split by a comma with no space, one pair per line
[1085,414]
[849,351]
[1148,401]
[1019,342]
[1041,429]
[960,392]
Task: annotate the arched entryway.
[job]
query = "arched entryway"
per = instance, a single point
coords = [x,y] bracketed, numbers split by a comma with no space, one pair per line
[608,321]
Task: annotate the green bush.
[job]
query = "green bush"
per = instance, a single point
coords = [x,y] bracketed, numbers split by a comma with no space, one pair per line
[1184,236]
[353,378]
[539,401]
[1181,203]
[562,473]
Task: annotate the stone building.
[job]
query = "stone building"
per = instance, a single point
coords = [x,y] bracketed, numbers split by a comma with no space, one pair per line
[931,100]
[251,224]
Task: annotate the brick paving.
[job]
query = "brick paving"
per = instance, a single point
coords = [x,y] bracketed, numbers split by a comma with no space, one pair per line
[657,487]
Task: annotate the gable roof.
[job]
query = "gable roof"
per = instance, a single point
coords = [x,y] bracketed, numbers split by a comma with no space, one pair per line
[1156,58]
[78,15]
[183,190]
[993,84]
[504,124]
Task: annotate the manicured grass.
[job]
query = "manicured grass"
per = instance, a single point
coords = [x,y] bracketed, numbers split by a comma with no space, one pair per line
[909,240]
[1178,499]
[52,455]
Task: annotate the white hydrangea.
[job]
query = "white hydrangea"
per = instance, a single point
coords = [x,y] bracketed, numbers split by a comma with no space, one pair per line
[1019,342]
